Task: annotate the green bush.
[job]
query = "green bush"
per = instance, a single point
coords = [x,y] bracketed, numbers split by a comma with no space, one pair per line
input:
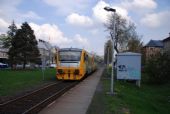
[157,69]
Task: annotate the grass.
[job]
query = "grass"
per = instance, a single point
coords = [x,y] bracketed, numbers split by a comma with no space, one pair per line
[149,99]
[12,81]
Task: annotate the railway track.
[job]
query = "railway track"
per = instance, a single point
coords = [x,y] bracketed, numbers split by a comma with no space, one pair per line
[35,101]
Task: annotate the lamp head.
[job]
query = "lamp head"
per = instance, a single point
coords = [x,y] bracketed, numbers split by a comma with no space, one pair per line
[109,9]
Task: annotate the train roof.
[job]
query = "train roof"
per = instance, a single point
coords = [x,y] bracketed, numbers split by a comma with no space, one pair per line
[75,49]
[70,49]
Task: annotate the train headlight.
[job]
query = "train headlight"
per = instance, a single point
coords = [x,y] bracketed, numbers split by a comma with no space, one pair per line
[76,72]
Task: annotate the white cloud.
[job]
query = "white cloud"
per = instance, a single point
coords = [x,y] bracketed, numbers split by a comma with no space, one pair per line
[50,33]
[3,26]
[9,2]
[78,41]
[9,11]
[94,31]
[122,11]
[155,20]
[122,8]
[31,15]
[68,6]
[8,8]
[79,20]
[137,5]
[55,36]
[100,14]
[81,42]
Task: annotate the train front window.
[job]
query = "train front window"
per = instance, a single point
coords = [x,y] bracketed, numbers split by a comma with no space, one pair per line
[69,55]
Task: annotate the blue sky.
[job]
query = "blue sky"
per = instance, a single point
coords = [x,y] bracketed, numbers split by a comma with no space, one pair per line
[79,23]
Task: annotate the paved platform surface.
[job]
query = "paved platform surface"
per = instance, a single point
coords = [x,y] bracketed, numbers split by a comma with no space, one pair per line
[76,100]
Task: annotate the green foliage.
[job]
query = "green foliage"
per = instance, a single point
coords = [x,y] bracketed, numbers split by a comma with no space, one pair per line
[129,99]
[108,52]
[24,47]
[135,45]
[13,81]
[157,69]
[10,35]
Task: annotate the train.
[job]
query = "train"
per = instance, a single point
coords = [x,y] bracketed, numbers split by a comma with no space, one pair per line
[74,64]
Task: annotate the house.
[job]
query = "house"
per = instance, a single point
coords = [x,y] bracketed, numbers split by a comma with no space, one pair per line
[152,48]
[47,52]
[166,43]
[3,51]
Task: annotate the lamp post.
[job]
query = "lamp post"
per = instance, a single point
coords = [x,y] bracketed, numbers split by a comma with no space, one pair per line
[108,60]
[113,34]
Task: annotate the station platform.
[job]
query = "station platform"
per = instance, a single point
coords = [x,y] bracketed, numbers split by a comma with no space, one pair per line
[77,99]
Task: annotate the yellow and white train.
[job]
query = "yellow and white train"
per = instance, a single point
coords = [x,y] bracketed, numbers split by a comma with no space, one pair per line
[74,64]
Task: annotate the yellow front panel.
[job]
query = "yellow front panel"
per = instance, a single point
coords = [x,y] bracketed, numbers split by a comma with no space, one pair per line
[69,74]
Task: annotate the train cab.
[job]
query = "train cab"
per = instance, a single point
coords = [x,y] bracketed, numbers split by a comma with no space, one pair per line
[73,64]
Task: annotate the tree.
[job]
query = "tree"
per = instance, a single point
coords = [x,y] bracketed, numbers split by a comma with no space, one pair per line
[125,33]
[157,69]
[108,52]
[24,46]
[135,45]
[10,34]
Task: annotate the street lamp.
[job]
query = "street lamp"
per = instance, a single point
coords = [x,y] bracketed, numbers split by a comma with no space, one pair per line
[110,9]
[112,34]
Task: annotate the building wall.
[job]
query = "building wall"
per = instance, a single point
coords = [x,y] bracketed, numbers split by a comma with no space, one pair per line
[151,52]
[3,51]
[3,54]
[167,46]
[48,54]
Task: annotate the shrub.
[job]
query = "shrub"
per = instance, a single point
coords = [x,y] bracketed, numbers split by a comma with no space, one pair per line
[157,69]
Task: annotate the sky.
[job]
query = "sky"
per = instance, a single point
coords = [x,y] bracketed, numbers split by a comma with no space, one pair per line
[80,23]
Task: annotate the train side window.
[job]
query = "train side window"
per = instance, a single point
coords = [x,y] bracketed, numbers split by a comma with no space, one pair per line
[84,57]
[56,59]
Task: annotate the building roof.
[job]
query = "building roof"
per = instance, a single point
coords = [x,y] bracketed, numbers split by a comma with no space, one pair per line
[48,45]
[44,45]
[41,45]
[154,43]
[166,39]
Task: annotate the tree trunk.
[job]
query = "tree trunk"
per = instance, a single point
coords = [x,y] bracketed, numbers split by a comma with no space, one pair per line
[11,63]
[24,62]
[24,65]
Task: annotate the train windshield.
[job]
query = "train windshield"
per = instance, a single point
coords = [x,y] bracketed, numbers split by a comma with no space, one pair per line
[69,55]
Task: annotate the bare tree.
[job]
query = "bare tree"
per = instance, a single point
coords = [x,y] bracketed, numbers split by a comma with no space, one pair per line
[125,33]
[108,52]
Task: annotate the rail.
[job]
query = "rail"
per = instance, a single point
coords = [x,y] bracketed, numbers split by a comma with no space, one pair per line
[36,100]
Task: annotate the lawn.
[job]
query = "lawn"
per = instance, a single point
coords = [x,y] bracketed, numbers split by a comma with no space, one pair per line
[149,99]
[12,81]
